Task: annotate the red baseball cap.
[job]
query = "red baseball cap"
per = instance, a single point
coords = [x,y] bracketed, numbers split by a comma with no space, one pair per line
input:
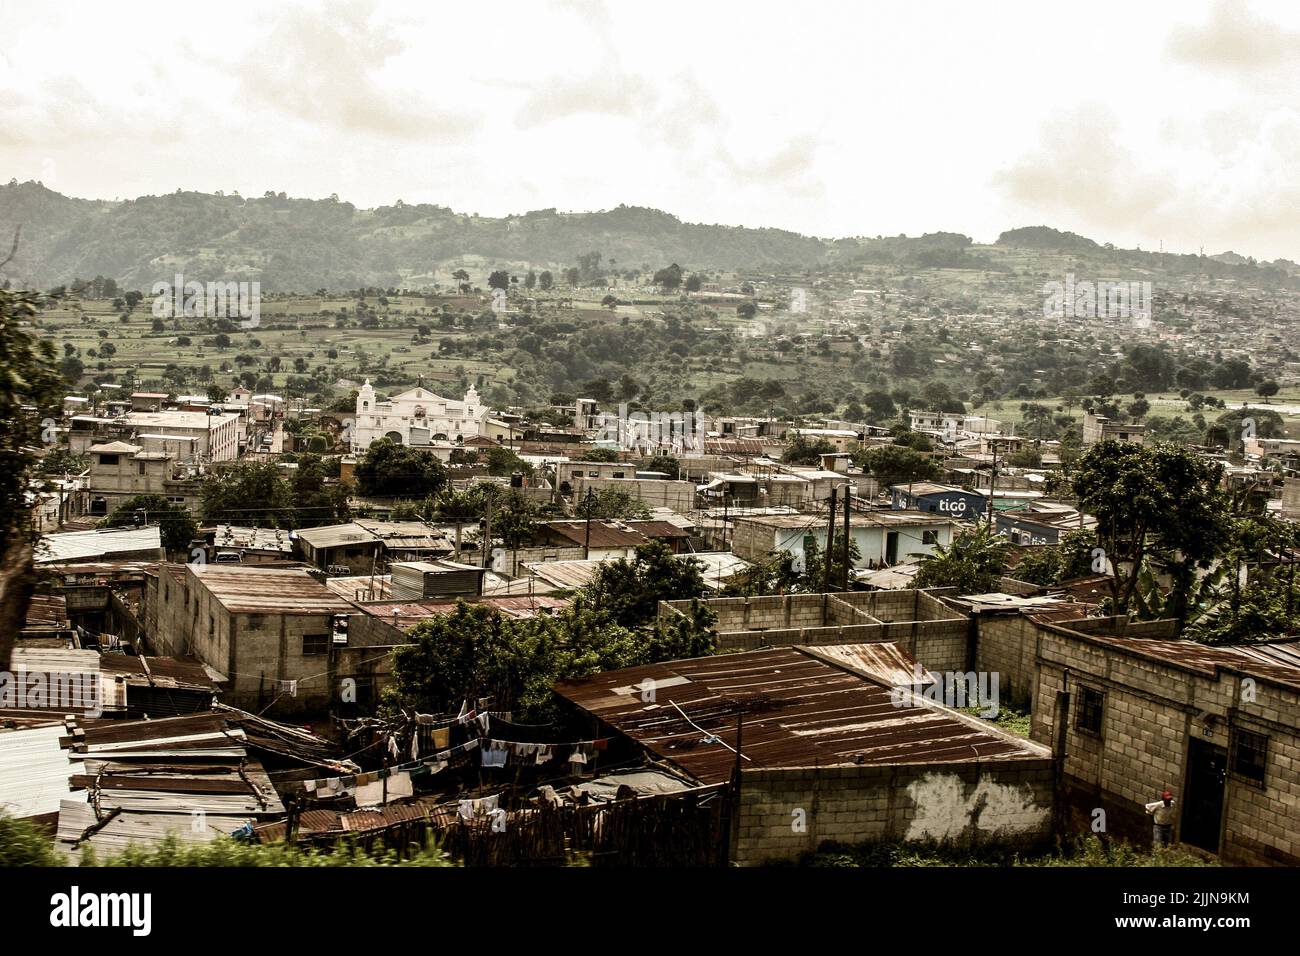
[1167,795]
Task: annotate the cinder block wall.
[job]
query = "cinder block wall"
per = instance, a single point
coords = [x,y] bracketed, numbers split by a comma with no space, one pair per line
[1007,646]
[785,813]
[938,639]
[1150,712]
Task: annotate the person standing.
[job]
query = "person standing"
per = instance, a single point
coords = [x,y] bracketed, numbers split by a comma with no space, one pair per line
[1163,816]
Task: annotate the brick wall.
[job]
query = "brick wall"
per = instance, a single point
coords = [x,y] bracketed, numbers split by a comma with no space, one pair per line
[787,812]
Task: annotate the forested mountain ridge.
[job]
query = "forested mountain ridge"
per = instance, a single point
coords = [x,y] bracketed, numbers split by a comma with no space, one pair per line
[301,245]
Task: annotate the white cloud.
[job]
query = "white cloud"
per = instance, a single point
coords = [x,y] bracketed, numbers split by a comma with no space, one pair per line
[1137,123]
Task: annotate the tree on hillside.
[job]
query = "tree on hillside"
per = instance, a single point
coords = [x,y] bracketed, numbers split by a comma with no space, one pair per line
[669,278]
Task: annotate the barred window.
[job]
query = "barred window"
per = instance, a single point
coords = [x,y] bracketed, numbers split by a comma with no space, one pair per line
[313,644]
[1091,705]
[1249,755]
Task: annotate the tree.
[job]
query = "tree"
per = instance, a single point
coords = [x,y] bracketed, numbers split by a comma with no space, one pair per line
[826,570]
[972,563]
[669,278]
[502,462]
[1144,497]
[254,494]
[629,592]
[694,282]
[29,379]
[500,279]
[1266,389]
[613,504]
[775,575]
[803,451]
[514,520]
[391,470]
[546,281]
[316,499]
[896,465]
[476,651]
[177,528]
[459,507]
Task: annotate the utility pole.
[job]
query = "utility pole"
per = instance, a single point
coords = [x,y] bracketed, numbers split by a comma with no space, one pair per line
[586,538]
[993,481]
[487,531]
[830,542]
[848,515]
[724,519]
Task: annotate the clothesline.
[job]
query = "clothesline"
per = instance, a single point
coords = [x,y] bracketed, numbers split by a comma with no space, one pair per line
[497,749]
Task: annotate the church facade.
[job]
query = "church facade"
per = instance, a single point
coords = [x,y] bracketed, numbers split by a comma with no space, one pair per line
[416,417]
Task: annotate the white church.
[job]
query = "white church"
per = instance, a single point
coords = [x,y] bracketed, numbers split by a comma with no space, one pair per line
[416,417]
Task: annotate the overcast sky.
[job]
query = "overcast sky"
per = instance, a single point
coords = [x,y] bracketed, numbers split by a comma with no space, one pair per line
[1133,122]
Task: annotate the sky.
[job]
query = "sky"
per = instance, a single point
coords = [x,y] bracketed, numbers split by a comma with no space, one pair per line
[1171,125]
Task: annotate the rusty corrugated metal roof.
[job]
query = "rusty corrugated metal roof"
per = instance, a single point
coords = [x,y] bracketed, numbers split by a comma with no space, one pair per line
[1277,662]
[409,613]
[798,712]
[253,589]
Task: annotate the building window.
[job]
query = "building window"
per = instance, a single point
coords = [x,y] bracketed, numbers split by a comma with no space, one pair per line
[1249,755]
[929,537]
[1091,704]
[141,464]
[108,460]
[315,644]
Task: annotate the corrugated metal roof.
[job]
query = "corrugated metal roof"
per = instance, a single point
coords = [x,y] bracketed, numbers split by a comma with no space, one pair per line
[1277,662]
[604,534]
[407,614]
[336,535]
[251,589]
[565,575]
[798,712]
[47,610]
[884,662]
[85,545]
[33,771]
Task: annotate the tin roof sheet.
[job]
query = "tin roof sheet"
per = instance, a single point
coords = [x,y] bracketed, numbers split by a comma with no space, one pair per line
[798,712]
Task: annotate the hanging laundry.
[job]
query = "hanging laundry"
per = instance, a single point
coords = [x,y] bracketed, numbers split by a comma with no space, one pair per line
[371,794]
[471,810]
[494,755]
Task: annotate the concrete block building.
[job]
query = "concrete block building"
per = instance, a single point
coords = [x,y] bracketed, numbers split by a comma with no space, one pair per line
[270,633]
